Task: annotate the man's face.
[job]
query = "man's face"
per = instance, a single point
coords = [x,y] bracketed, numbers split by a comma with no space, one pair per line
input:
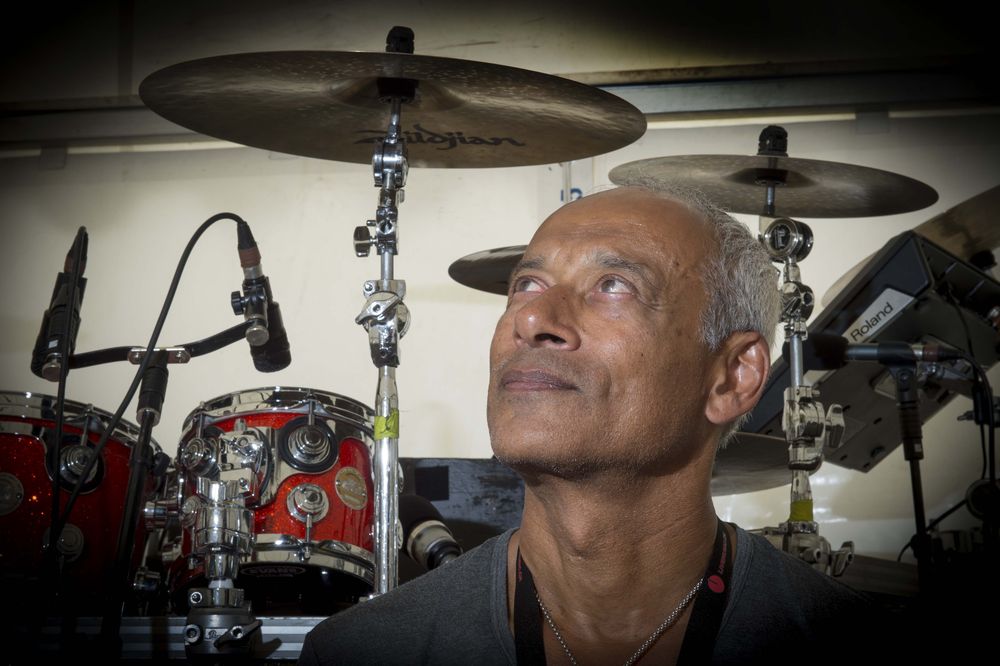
[598,362]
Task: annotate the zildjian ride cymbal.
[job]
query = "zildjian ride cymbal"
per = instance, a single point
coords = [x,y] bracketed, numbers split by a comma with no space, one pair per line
[804,188]
[326,104]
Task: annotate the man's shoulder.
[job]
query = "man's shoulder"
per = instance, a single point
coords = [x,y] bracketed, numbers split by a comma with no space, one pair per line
[794,579]
[444,604]
[779,604]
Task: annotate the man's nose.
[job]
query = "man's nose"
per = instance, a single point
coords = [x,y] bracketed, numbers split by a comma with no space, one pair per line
[550,319]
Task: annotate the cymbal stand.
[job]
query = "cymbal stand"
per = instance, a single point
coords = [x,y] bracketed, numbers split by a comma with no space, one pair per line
[807,427]
[385,316]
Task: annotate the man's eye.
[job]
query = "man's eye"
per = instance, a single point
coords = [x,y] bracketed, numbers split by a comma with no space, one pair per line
[614,285]
[525,284]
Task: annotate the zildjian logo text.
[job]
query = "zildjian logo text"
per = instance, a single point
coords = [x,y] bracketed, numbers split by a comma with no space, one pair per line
[448,139]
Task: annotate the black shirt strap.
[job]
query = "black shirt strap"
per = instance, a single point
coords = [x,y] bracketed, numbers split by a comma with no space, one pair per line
[527,618]
[709,605]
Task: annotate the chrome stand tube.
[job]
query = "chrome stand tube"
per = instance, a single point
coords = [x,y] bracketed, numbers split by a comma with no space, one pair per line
[386,318]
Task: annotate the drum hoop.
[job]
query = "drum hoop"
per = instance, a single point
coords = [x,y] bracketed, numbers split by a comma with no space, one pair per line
[270,549]
[30,405]
[283,400]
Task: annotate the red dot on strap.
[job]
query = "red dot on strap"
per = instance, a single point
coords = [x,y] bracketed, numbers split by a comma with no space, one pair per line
[716,584]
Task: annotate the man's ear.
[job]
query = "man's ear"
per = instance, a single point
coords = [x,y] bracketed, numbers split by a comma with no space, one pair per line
[737,377]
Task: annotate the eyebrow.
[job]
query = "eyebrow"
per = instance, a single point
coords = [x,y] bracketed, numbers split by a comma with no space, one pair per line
[613,261]
[601,258]
[527,264]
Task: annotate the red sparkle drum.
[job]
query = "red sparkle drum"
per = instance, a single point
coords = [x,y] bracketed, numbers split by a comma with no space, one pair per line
[302,461]
[88,542]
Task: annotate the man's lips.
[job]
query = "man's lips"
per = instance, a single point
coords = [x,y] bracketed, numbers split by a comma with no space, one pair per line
[534,380]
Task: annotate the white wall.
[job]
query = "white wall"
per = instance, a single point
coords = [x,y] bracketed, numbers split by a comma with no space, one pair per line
[141,207]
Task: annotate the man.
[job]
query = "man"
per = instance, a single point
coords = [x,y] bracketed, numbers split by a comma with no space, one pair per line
[636,336]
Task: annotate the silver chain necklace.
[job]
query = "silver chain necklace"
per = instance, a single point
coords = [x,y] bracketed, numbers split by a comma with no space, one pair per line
[648,643]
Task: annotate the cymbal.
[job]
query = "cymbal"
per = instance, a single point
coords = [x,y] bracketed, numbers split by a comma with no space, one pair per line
[325,104]
[488,270]
[808,188]
[963,230]
[749,463]
[967,228]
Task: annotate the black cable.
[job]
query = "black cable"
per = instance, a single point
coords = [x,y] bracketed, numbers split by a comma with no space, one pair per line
[146,358]
[987,406]
[989,455]
[982,449]
[931,525]
[947,513]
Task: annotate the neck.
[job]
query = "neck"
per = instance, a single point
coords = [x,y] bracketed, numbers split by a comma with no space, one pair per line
[612,556]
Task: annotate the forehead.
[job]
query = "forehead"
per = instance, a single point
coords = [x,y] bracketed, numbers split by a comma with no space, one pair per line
[625,221]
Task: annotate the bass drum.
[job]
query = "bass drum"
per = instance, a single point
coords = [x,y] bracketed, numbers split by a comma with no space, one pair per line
[86,549]
[303,459]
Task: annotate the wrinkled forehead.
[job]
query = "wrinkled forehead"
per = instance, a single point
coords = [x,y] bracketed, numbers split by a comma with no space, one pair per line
[629,217]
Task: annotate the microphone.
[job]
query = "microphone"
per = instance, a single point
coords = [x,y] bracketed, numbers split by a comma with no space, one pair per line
[822,351]
[274,354]
[46,358]
[266,335]
[426,538]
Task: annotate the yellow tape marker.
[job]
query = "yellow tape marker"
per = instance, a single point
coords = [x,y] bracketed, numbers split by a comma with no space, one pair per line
[802,511]
[387,426]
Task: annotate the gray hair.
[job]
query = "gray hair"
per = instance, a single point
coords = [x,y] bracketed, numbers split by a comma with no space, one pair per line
[740,282]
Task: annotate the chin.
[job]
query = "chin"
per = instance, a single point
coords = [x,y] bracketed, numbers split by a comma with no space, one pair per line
[533,459]
[533,466]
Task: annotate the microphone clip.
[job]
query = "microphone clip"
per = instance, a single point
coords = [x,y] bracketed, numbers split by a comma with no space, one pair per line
[252,304]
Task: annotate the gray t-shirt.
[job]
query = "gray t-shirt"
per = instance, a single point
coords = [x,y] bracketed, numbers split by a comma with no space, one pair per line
[779,608]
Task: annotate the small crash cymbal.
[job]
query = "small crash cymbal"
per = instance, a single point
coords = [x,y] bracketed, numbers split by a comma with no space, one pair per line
[488,270]
[326,104]
[968,228]
[749,463]
[807,188]
[963,230]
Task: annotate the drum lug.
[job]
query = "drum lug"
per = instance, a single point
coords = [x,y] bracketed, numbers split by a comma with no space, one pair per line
[307,502]
[11,493]
[73,462]
[70,544]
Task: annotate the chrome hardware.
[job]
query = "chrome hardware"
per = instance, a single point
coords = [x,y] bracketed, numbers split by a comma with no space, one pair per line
[786,238]
[308,444]
[308,500]
[221,526]
[73,462]
[199,457]
[174,354]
